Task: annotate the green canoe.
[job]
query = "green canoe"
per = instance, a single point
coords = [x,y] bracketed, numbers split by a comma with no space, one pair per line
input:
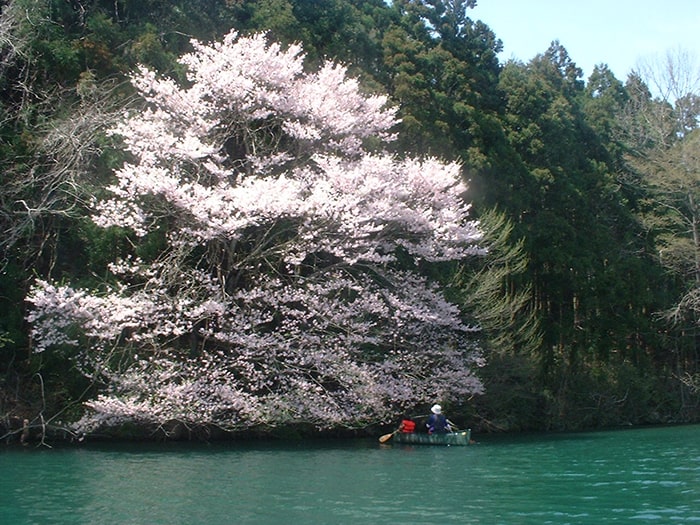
[452,438]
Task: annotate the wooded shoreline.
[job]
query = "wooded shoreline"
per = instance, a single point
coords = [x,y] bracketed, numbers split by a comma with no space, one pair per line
[587,190]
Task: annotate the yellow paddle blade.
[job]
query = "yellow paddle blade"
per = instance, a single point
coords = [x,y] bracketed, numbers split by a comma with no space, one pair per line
[386,437]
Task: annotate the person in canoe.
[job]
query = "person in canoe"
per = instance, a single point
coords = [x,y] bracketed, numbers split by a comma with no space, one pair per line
[407,425]
[437,422]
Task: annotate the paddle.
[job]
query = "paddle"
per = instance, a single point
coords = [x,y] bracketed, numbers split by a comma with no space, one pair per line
[387,437]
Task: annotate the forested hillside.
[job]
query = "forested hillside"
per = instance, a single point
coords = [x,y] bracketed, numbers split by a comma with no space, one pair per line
[585,285]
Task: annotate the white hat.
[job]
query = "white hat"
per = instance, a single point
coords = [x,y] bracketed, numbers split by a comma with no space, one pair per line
[437,409]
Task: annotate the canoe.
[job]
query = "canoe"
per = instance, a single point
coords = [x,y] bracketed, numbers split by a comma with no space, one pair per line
[452,438]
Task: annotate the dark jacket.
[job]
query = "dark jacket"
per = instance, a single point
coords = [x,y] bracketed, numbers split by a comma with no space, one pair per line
[437,424]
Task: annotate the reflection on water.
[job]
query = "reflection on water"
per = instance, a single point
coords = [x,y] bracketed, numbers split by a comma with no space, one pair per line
[627,476]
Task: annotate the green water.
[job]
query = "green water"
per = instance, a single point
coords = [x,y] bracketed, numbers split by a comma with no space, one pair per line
[631,476]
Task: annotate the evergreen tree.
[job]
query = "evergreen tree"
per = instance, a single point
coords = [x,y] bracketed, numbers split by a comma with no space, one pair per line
[579,233]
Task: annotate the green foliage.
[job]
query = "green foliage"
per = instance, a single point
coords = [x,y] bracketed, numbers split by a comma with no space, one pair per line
[605,99]
[500,299]
[348,31]
[12,333]
[596,183]
[595,277]
[493,290]
[445,81]
[513,401]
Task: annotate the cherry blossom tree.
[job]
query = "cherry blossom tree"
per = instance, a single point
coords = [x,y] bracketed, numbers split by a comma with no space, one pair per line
[288,288]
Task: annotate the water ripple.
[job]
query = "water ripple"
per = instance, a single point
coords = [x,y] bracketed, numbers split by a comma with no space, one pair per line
[628,476]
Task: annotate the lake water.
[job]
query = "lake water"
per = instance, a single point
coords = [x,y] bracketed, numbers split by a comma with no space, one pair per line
[631,476]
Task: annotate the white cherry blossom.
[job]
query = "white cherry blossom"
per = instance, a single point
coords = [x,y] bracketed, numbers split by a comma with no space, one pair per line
[289,290]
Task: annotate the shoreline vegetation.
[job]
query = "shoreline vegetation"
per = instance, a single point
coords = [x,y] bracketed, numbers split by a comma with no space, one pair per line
[14,432]
[386,212]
